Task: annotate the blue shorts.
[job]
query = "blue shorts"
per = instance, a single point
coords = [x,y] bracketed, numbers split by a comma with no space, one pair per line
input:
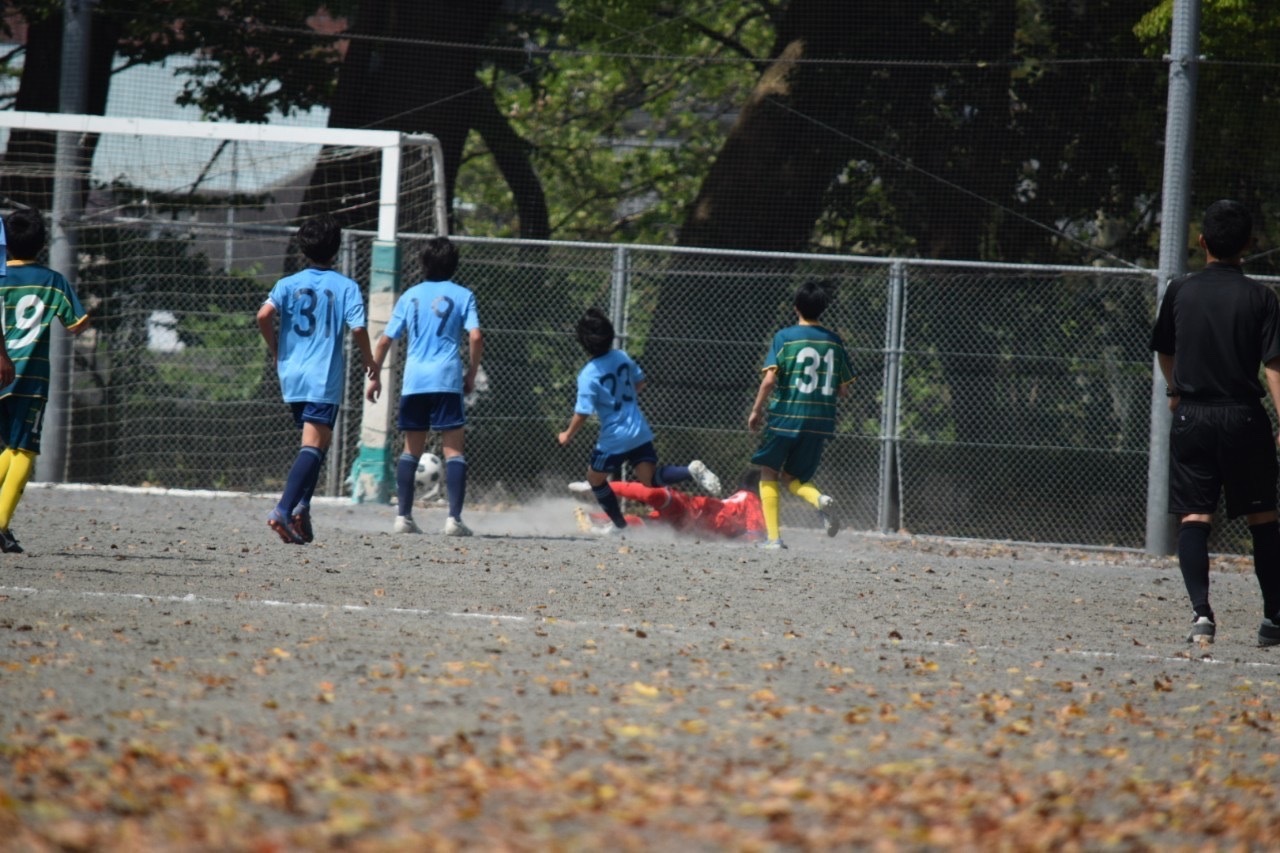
[797,455]
[23,418]
[437,412]
[611,463]
[321,414]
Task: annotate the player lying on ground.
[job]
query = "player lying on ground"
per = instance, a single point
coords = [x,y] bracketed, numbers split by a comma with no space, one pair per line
[737,515]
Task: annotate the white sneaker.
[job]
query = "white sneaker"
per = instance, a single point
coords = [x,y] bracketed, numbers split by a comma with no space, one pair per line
[454,527]
[579,487]
[704,476]
[406,524]
[827,514]
[605,531]
[772,545]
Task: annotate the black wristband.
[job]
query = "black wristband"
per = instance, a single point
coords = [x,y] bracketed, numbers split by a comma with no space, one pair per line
[1169,392]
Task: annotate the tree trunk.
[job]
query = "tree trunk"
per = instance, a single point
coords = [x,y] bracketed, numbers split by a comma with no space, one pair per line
[765,189]
[29,152]
[389,80]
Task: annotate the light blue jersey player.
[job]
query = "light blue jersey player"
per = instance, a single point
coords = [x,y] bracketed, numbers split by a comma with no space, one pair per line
[313,307]
[608,387]
[433,317]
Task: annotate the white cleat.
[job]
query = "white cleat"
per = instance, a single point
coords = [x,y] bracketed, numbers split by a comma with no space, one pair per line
[454,527]
[830,522]
[704,476]
[406,524]
[579,487]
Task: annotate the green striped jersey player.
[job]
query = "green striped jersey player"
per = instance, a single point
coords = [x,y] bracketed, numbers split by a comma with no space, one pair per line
[31,296]
[805,371]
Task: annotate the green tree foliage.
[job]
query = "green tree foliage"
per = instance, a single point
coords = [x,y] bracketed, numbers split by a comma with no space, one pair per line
[1237,103]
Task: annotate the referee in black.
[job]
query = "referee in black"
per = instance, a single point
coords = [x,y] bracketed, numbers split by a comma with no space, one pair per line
[1214,329]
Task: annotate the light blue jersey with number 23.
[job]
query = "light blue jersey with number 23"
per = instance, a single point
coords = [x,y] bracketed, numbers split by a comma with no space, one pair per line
[607,388]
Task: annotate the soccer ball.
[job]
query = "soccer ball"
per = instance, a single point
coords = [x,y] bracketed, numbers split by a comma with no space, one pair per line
[429,475]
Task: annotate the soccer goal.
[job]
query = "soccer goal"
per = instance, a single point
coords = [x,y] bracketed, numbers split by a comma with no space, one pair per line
[179,229]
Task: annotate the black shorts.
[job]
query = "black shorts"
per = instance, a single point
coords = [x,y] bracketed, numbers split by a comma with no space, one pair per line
[1215,449]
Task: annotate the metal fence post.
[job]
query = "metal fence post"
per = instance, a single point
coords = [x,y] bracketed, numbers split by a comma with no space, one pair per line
[1179,138]
[340,451]
[618,282]
[888,510]
[70,173]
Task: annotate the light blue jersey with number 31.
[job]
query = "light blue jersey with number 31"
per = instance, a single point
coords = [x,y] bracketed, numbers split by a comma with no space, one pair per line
[315,306]
[434,314]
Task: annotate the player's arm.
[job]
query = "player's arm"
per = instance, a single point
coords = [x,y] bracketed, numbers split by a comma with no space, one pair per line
[767,383]
[7,371]
[379,356]
[1272,372]
[1165,360]
[475,354]
[360,336]
[267,328]
[575,424]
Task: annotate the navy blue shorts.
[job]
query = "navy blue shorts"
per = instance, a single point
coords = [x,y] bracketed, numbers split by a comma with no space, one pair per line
[321,414]
[431,412]
[611,463]
[1221,449]
[24,417]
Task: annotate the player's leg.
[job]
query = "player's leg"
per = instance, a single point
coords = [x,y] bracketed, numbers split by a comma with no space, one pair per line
[23,416]
[21,463]
[448,419]
[803,461]
[455,480]
[295,501]
[598,471]
[668,503]
[1249,483]
[696,470]
[413,419]
[415,443]
[771,456]
[318,434]
[1195,483]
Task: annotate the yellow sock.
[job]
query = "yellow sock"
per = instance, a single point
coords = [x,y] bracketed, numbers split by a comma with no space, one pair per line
[15,480]
[807,491]
[769,493]
[5,458]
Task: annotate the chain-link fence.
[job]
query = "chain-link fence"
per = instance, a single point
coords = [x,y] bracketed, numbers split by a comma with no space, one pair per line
[991,401]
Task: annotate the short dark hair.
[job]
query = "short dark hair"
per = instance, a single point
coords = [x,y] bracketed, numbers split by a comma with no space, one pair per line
[319,238]
[439,259]
[25,233]
[595,332]
[812,298]
[1227,228]
[750,480]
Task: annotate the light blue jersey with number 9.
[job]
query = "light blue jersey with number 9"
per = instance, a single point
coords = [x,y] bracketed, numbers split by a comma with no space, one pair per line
[315,307]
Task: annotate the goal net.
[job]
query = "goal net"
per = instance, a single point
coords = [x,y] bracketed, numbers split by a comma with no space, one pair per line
[180,229]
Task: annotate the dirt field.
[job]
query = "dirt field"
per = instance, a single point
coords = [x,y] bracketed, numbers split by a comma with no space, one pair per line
[174,677]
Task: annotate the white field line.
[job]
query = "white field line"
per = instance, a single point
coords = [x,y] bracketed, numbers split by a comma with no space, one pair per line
[192,598]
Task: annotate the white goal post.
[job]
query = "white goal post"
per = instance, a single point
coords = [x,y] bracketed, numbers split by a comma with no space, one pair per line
[389,142]
[167,212]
